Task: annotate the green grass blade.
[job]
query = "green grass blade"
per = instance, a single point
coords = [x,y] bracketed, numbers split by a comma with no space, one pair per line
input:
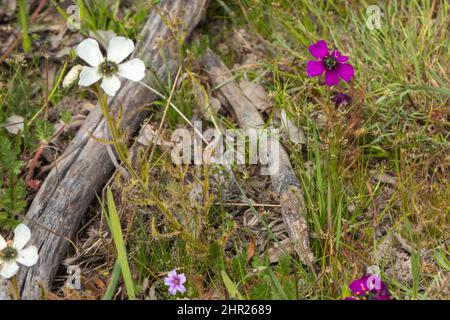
[415,259]
[443,91]
[26,42]
[112,285]
[117,235]
[231,287]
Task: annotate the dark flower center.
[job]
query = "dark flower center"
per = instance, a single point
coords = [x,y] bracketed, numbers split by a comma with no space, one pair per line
[108,68]
[371,295]
[8,253]
[366,295]
[330,62]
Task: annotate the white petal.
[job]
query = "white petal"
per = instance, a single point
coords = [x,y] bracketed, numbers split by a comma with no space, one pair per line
[89,51]
[21,236]
[9,269]
[27,256]
[2,243]
[119,48]
[132,70]
[88,76]
[110,85]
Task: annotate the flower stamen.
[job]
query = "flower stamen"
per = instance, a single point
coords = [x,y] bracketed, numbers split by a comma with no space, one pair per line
[9,252]
[330,62]
[108,68]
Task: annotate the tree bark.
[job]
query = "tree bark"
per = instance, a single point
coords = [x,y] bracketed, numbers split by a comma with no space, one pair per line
[284,181]
[56,212]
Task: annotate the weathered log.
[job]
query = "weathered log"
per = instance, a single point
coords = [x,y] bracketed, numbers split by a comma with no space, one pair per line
[71,186]
[284,180]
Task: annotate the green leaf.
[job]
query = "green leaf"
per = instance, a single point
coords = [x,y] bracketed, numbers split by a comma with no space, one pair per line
[442,260]
[231,287]
[112,285]
[116,231]
[26,42]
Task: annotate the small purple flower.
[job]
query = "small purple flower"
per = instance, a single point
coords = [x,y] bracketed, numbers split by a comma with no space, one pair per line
[333,65]
[369,287]
[341,99]
[175,282]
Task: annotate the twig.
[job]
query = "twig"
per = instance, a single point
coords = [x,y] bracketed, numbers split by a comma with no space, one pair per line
[29,182]
[241,204]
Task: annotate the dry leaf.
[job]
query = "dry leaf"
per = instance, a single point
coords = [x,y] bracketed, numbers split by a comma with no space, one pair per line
[278,249]
[256,94]
[251,250]
[14,124]
[296,134]
[209,106]
[8,8]
[148,136]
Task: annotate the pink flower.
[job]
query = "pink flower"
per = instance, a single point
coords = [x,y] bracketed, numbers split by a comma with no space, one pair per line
[369,287]
[333,65]
[175,282]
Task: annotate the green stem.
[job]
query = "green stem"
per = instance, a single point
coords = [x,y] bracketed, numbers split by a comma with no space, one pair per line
[26,42]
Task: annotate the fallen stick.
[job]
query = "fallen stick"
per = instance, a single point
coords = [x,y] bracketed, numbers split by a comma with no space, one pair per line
[284,180]
[71,186]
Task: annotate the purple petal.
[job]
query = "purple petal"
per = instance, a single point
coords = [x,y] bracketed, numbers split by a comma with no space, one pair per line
[319,49]
[181,288]
[172,274]
[346,71]
[173,290]
[359,286]
[182,278]
[350,298]
[339,57]
[331,77]
[383,297]
[314,68]
[341,99]
[168,281]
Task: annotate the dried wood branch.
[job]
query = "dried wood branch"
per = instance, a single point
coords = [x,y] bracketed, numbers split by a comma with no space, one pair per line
[284,181]
[57,210]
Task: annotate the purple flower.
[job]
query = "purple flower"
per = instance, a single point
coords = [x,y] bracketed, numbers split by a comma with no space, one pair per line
[369,287]
[341,99]
[333,65]
[175,282]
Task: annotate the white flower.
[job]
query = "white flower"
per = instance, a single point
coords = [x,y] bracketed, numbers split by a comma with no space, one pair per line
[110,68]
[72,75]
[13,252]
